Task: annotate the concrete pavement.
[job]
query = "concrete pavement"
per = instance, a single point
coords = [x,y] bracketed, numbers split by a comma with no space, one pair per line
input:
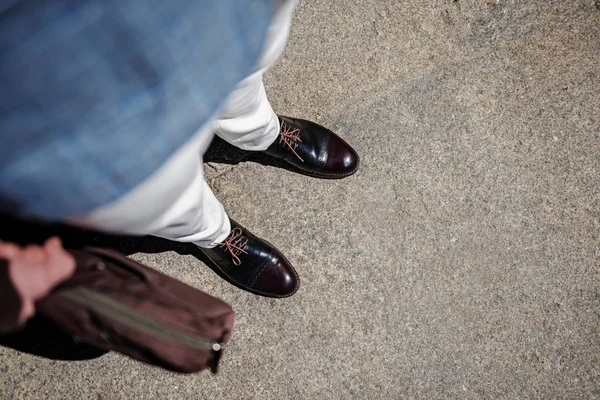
[461,261]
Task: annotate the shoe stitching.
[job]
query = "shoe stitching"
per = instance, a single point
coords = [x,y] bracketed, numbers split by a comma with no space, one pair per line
[322,160]
[330,176]
[317,175]
[264,268]
[259,273]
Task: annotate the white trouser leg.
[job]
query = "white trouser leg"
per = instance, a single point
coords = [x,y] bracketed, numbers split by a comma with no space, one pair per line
[175,202]
[247,120]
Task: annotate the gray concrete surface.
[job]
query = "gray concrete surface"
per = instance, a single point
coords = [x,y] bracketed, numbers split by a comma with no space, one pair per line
[462,260]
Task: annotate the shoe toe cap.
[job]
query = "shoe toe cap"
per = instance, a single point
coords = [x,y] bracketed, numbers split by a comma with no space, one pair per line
[278,279]
[341,158]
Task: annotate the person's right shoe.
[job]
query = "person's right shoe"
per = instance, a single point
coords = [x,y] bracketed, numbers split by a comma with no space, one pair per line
[254,264]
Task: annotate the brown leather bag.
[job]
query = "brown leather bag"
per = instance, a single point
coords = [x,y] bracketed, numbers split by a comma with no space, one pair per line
[115,303]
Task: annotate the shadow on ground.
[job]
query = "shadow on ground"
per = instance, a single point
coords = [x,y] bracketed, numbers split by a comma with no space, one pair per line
[44,339]
[221,152]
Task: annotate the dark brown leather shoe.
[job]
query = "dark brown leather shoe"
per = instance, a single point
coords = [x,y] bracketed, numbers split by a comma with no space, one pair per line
[313,149]
[254,264]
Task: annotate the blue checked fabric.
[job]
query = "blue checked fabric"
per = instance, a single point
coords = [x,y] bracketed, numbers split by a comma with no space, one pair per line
[95,95]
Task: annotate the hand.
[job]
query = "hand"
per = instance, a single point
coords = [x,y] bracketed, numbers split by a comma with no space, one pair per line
[34,270]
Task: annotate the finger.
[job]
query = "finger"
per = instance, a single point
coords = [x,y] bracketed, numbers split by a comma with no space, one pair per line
[34,254]
[60,266]
[63,262]
[53,244]
[37,279]
[27,311]
[67,267]
[9,250]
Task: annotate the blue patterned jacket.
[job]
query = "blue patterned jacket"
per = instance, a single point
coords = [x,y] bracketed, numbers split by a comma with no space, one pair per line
[96,94]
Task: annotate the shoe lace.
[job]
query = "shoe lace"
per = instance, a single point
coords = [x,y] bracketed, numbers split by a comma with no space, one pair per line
[235,244]
[290,137]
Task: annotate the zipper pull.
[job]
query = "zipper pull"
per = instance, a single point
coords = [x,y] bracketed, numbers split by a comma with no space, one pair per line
[217,353]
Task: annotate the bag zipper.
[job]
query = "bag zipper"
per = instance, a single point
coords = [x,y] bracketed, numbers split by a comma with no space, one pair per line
[129,316]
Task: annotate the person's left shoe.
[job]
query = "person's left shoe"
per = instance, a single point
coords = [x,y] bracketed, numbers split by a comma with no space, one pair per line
[313,149]
[253,264]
